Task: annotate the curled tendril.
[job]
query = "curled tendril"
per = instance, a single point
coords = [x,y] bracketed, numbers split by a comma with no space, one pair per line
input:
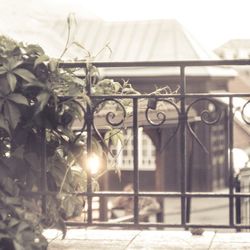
[245,113]
[214,114]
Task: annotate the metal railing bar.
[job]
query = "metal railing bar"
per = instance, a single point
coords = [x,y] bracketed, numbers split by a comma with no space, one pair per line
[43,162]
[136,160]
[183,146]
[180,63]
[157,225]
[89,122]
[221,94]
[144,194]
[231,170]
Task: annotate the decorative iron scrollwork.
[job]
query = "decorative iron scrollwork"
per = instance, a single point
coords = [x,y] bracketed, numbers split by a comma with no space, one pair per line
[114,118]
[210,116]
[160,115]
[245,112]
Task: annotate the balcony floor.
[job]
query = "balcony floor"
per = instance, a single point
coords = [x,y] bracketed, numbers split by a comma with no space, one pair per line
[78,239]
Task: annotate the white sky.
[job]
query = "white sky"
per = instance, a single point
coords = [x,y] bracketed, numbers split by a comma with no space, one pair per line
[212,22]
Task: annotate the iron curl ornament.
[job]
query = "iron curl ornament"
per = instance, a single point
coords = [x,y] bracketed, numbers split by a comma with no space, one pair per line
[115,117]
[245,112]
[160,115]
[209,116]
[113,112]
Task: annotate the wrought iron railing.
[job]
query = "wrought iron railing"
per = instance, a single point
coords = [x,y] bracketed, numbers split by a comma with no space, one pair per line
[210,114]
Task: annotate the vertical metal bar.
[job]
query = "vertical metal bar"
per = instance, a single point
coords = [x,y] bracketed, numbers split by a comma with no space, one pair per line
[43,170]
[238,201]
[89,119]
[183,141]
[231,170]
[190,177]
[136,160]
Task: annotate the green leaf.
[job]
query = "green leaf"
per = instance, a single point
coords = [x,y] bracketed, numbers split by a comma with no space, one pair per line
[13,222]
[18,246]
[53,64]
[96,146]
[117,86]
[23,226]
[4,86]
[18,153]
[4,124]
[34,49]
[25,74]
[114,135]
[18,98]
[12,114]
[33,160]
[11,80]
[3,70]
[12,63]
[107,137]
[41,59]
[9,186]
[43,99]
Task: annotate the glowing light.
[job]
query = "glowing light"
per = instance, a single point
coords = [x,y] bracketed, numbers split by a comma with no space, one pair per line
[93,163]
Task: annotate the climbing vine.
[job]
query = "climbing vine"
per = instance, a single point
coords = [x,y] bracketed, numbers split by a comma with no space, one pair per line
[37,95]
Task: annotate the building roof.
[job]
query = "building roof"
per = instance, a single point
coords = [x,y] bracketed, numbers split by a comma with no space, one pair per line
[152,40]
[236,44]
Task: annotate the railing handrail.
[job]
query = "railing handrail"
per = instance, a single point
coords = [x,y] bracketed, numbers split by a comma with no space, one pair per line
[179,63]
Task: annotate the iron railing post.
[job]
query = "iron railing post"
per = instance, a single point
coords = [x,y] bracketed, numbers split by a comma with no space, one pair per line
[89,120]
[231,169]
[136,160]
[237,185]
[43,163]
[183,146]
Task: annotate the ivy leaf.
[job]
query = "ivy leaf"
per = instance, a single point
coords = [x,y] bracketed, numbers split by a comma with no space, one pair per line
[34,49]
[4,124]
[17,245]
[12,114]
[12,63]
[25,74]
[11,78]
[9,186]
[3,70]
[33,161]
[18,98]
[4,86]
[13,222]
[114,135]
[23,226]
[19,152]
[117,86]
[41,59]
[53,64]
[96,146]
[43,99]
[2,100]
